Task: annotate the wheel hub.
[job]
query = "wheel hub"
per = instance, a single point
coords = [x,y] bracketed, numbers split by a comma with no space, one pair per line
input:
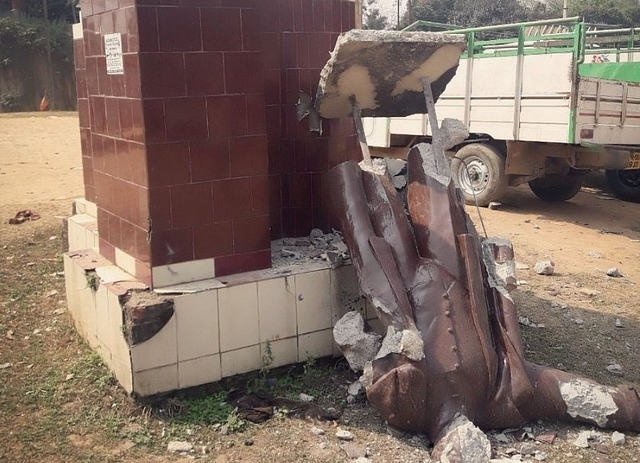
[474,175]
[630,178]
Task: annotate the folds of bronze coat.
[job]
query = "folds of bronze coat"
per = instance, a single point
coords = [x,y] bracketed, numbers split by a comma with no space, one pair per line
[424,270]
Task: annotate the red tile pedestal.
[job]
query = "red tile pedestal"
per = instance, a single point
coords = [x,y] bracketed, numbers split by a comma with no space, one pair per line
[194,156]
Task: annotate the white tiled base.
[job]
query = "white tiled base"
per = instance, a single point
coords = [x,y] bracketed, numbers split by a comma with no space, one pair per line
[217,330]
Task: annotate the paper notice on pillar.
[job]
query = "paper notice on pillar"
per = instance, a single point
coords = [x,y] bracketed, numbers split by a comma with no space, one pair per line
[113,53]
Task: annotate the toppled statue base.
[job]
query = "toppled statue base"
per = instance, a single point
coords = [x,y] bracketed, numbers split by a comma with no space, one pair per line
[452,352]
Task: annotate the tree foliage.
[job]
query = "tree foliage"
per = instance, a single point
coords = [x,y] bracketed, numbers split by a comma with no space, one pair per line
[471,13]
[57,10]
[372,18]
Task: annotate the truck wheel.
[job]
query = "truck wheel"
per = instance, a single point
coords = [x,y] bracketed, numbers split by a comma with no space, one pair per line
[625,183]
[478,170]
[557,187]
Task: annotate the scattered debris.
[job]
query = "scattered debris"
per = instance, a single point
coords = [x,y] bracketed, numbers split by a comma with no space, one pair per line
[316,247]
[306,398]
[584,437]
[179,447]
[544,267]
[10,334]
[619,323]
[353,450]
[23,216]
[69,377]
[526,322]
[546,438]
[357,345]
[614,272]
[317,431]
[617,438]
[356,388]
[589,292]
[595,254]
[521,266]
[615,369]
[248,442]
[4,366]
[344,435]
[527,449]
[493,205]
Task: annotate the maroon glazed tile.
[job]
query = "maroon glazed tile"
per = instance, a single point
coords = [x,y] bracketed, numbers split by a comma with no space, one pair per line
[87,8]
[251,234]
[128,240]
[115,233]
[98,114]
[104,81]
[256,116]
[191,205]
[110,5]
[287,155]
[103,224]
[131,77]
[298,19]
[186,119]
[125,201]
[227,115]
[269,20]
[319,53]
[232,199]
[292,87]
[78,54]
[300,156]
[120,26]
[122,4]
[328,15]
[290,50]
[91,76]
[137,115]
[83,113]
[98,6]
[147,29]
[85,143]
[260,194]
[179,29]
[272,86]
[118,85]
[171,246]
[293,127]
[209,159]
[273,129]
[113,117]
[81,84]
[213,240]
[153,118]
[251,34]
[204,73]
[304,220]
[336,150]
[142,252]
[160,208]
[97,148]
[240,3]
[87,172]
[317,189]
[275,155]
[296,190]
[123,169]
[318,155]
[168,164]
[318,15]
[201,3]
[336,16]
[308,80]
[249,156]
[221,29]
[107,250]
[320,219]
[138,163]
[131,29]
[162,75]
[243,72]
[348,15]
[302,50]
[285,12]
[288,222]
[270,50]
[89,193]
[307,15]
[125,115]
[239,263]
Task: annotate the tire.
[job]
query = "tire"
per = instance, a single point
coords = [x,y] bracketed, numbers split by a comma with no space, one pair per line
[478,169]
[625,184]
[557,187]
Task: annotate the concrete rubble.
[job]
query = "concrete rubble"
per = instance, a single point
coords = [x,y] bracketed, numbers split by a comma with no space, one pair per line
[357,346]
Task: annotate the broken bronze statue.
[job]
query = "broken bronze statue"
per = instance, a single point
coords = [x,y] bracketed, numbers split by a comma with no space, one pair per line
[452,350]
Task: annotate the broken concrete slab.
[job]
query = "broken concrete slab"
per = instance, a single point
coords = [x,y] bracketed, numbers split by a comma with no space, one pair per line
[382,71]
[145,314]
[357,345]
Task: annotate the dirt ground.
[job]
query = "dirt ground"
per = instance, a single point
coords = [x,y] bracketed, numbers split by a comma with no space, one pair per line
[59,404]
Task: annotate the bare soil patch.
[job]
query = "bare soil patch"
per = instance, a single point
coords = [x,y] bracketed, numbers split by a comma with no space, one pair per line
[59,404]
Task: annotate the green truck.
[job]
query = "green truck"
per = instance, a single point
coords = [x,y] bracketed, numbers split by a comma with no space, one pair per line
[544,103]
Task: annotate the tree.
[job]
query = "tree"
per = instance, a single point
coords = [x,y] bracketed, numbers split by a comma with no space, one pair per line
[373,19]
[468,12]
[615,12]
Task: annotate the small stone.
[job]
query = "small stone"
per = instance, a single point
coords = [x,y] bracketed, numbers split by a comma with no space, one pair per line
[527,449]
[583,438]
[502,438]
[69,377]
[546,438]
[540,456]
[317,431]
[4,366]
[579,321]
[356,388]
[493,205]
[614,272]
[544,267]
[224,429]
[306,398]
[248,442]
[323,445]
[521,266]
[614,369]
[618,323]
[316,233]
[344,435]
[354,450]
[351,399]
[617,438]
[179,446]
